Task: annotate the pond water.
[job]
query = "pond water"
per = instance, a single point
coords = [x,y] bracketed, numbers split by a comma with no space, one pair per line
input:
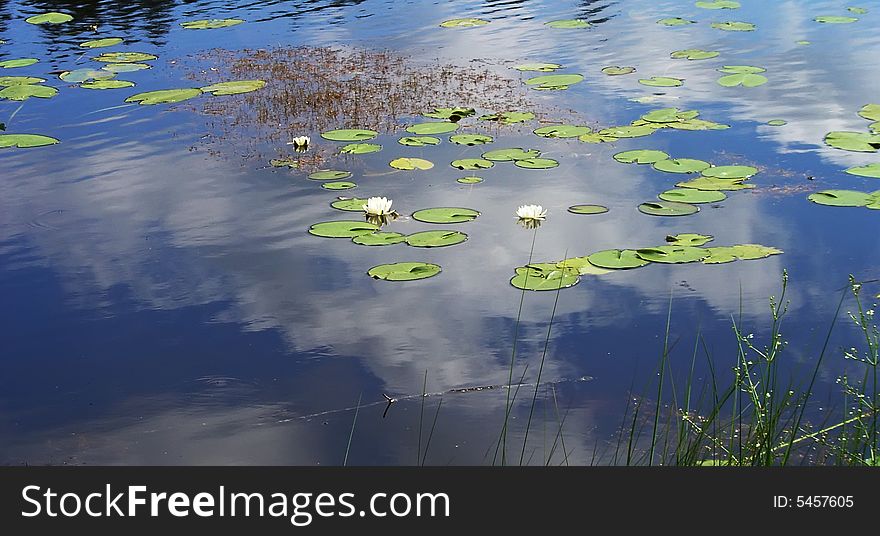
[164,303]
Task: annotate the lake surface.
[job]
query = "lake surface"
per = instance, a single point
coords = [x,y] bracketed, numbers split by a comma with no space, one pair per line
[163,302]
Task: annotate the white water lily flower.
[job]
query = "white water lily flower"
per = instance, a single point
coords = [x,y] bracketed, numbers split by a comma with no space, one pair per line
[378,206]
[300,142]
[531,212]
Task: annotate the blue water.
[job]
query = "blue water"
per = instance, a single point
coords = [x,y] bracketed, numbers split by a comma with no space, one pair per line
[162,302]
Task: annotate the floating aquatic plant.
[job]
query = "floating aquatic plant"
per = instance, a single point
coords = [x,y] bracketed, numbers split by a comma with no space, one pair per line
[471,139]
[53,17]
[562,131]
[360,148]
[107,84]
[539,67]
[661,81]
[436,239]
[616,70]
[23,92]
[125,57]
[25,141]
[694,54]
[733,26]
[20,62]
[404,271]
[567,24]
[409,164]
[378,206]
[675,21]
[463,23]
[234,88]
[668,208]
[101,43]
[357,134]
[164,96]
[210,24]
[587,209]
[445,215]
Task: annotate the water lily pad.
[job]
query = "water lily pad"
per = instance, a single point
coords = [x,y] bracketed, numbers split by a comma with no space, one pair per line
[164,96]
[445,215]
[437,127]
[21,62]
[672,254]
[360,148]
[568,24]
[234,88]
[284,162]
[338,185]
[353,135]
[841,198]
[733,26]
[349,204]
[617,259]
[587,209]
[675,21]
[554,81]
[744,80]
[409,164]
[451,114]
[777,122]
[536,163]
[342,229]
[871,170]
[404,271]
[107,84]
[802,42]
[668,208]
[85,75]
[641,156]
[692,196]
[730,172]
[539,67]
[670,115]
[25,141]
[125,67]
[696,124]
[595,137]
[562,131]
[472,163]
[101,43]
[857,10]
[380,238]
[689,239]
[53,17]
[853,141]
[544,276]
[463,23]
[661,81]
[512,154]
[681,165]
[875,127]
[25,91]
[871,112]
[471,139]
[508,118]
[582,265]
[713,184]
[469,180]
[616,70]
[210,24]
[627,132]
[724,254]
[694,54]
[719,4]
[329,175]
[418,141]
[6,81]
[125,57]
[435,239]
[833,19]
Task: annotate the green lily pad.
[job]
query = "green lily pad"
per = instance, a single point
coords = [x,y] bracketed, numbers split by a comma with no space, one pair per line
[512,154]
[675,21]
[616,70]
[125,67]
[329,175]
[730,172]
[744,80]
[471,139]
[53,17]
[802,42]
[627,132]
[536,163]
[681,165]
[696,124]
[437,127]
[360,148]
[164,96]
[694,54]
[234,88]
[284,162]
[670,115]
[451,114]
[724,254]
[469,180]
[25,141]
[342,229]
[672,254]
[661,81]
[689,239]
[582,265]
[713,184]
[539,67]
[21,62]
[418,141]
[587,209]
[435,239]
[349,204]
[125,57]
[668,208]
[568,24]
[508,118]
[445,215]
[857,10]
[595,137]
[472,163]
[338,185]
[210,24]
[853,141]
[641,156]
[404,271]
[842,198]
[732,26]
[463,23]
[380,238]
[833,19]
[107,84]
[85,75]
[562,131]
[871,112]
[25,91]
[410,164]
[544,276]
[875,127]
[617,259]
[353,135]
[101,43]
[777,122]
[554,81]
[719,4]
[871,170]
[692,196]
[6,81]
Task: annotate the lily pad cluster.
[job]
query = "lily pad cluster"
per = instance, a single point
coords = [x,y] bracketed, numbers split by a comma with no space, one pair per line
[847,198]
[652,121]
[170,96]
[20,88]
[742,75]
[865,142]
